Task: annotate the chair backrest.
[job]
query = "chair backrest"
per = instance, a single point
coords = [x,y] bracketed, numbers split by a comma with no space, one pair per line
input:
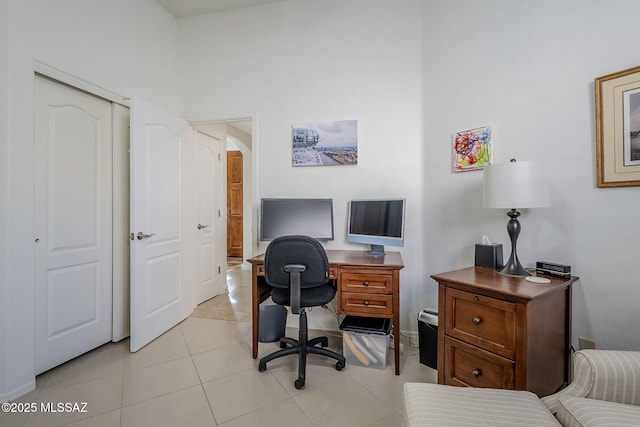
[296,250]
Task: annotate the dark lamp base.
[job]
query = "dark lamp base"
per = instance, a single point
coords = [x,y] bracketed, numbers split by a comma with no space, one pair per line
[514,268]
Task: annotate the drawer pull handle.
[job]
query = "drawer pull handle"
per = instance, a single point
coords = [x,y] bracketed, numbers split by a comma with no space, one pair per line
[476,298]
[366,303]
[365,284]
[475,373]
[476,320]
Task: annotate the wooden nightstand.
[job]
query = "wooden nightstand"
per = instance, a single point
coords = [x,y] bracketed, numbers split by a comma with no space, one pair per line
[502,331]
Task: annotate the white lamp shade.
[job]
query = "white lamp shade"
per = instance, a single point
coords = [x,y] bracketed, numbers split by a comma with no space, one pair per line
[514,185]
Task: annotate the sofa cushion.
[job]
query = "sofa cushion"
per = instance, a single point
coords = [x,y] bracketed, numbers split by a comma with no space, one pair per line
[585,412]
[604,375]
[442,405]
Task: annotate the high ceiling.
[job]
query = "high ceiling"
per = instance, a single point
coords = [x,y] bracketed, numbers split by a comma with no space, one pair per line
[182,8]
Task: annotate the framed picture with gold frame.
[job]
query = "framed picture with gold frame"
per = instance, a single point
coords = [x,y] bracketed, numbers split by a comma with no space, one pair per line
[618,128]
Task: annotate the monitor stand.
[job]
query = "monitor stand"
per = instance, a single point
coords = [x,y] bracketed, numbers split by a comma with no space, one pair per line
[377,250]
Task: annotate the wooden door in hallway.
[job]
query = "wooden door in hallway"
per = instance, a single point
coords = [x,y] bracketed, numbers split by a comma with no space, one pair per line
[234,203]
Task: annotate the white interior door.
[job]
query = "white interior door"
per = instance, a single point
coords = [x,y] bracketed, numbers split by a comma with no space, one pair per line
[73,223]
[211,258]
[162,232]
[121,246]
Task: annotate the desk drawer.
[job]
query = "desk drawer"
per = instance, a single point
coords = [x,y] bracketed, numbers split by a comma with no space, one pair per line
[361,304]
[467,365]
[483,321]
[366,281]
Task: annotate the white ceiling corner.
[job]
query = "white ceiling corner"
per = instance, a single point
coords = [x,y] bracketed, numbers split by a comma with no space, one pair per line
[184,8]
[245,126]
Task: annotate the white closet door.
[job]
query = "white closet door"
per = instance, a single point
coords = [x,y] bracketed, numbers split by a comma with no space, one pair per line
[211,257]
[162,223]
[73,223]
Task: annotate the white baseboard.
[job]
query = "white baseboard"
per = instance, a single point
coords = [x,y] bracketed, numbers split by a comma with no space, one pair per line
[412,335]
[20,391]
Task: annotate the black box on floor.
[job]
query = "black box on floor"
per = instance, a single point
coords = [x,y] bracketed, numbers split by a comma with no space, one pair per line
[273,323]
[428,336]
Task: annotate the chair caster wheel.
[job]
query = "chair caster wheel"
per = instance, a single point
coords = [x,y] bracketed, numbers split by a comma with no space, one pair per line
[339,366]
[299,384]
[262,367]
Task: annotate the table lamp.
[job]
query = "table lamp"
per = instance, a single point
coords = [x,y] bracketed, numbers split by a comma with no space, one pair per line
[513,185]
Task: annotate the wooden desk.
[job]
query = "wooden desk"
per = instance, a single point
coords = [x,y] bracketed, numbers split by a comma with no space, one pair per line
[367,286]
[502,331]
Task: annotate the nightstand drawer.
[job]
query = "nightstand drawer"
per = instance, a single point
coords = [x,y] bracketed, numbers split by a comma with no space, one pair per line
[467,365]
[361,304]
[486,322]
[367,281]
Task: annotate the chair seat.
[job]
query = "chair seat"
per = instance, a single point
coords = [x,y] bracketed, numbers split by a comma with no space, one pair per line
[311,297]
[435,405]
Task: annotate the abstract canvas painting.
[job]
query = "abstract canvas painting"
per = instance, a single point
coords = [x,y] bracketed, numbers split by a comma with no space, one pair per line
[472,149]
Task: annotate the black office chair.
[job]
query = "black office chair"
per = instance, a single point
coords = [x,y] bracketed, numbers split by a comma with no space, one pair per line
[298,270]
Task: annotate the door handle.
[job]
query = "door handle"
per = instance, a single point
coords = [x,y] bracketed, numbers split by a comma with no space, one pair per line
[141,235]
[200,226]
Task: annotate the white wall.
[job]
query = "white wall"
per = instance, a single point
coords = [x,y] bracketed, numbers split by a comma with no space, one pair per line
[413,73]
[4,188]
[528,68]
[126,47]
[301,61]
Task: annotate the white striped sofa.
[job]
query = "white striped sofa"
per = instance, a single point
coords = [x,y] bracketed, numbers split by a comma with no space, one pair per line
[605,392]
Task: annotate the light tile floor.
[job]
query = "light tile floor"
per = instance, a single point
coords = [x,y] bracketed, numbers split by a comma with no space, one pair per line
[200,373]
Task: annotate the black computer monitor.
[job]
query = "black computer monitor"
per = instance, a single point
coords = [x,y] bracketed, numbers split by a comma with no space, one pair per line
[308,217]
[377,223]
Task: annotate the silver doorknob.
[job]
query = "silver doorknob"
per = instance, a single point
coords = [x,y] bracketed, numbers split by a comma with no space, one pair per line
[141,235]
[200,226]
